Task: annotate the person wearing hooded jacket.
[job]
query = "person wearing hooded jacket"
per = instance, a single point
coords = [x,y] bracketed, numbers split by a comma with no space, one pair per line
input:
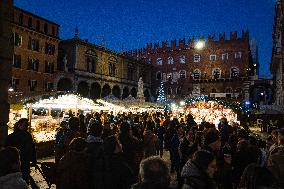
[198,171]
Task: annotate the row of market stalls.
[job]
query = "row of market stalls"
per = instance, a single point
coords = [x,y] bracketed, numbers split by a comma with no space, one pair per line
[45,112]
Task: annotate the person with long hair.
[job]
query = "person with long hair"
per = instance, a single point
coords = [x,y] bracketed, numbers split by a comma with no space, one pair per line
[198,172]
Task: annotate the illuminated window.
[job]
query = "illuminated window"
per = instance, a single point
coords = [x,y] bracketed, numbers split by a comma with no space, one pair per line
[196,74]
[238,55]
[159,61]
[170,60]
[234,72]
[159,75]
[213,57]
[112,66]
[216,73]
[225,56]
[182,74]
[197,58]
[182,59]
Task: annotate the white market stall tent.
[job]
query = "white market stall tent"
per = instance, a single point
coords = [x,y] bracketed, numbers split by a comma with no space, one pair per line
[46,113]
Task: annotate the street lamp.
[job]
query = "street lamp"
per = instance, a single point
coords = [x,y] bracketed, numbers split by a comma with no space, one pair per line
[200,44]
[10,89]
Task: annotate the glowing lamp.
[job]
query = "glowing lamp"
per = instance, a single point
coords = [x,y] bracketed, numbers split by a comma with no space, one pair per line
[200,45]
[11,89]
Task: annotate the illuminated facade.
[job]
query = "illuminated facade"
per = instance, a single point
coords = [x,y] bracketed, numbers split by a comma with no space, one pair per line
[35,53]
[217,68]
[96,72]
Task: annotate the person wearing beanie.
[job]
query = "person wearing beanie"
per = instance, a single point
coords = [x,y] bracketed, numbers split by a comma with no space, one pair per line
[212,141]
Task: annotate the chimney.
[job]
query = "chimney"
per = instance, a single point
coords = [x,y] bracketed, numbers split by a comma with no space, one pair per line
[173,43]
[222,37]
[164,44]
[181,42]
[210,38]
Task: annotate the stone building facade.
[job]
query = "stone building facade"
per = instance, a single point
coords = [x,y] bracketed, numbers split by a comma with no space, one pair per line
[6,54]
[35,53]
[217,68]
[277,61]
[96,72]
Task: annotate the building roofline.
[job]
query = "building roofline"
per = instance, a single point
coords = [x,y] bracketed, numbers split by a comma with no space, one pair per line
[97,46]
[39,17]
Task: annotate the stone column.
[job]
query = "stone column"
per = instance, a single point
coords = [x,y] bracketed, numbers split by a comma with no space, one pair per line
[6,58]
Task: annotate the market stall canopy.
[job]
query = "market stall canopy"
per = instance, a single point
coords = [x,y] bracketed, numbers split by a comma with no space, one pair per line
[110,97]
[66,101]
[129,105]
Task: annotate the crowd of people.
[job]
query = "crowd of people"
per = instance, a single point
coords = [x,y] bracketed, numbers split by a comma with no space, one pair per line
[126,150]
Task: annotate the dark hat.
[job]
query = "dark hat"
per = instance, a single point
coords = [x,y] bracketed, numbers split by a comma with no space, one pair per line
[211,137]
[124,127]
[110,144]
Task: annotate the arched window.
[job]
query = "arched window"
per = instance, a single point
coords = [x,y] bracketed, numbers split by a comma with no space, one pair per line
[130,71]
[112,66]
[169,91]
[216,73]
[239,90]
[91,61]
[21,19]
[158,75]
[170,60]
[182,74]
[159,61]
[179,90]
[170,77]
[234,72]
[229,90]
[196,58]
[182,59]
[196,74]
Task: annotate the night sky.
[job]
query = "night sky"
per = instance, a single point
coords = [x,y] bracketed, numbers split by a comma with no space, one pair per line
[130,24]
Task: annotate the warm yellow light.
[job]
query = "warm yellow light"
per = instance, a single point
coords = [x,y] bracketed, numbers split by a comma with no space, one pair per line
[200,45]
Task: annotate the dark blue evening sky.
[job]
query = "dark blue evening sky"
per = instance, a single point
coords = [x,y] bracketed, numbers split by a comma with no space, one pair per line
[130,24]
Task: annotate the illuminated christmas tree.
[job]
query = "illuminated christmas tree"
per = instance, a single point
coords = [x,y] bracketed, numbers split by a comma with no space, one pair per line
[162,97]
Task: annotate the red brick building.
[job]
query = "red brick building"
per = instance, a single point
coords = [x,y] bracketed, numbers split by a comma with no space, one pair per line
[219,68]
[35,53]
